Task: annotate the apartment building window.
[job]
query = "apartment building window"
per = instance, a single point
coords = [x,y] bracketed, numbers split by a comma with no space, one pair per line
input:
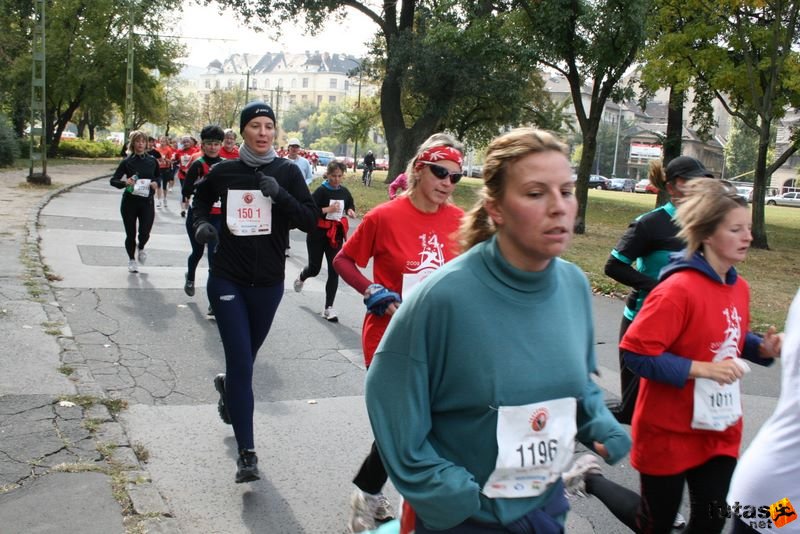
[305,83]
[333,83]
[216,84]
[346,85]
[319,100]
[208,84]
[266,83]
[294,83]
[331,98]
[303,98]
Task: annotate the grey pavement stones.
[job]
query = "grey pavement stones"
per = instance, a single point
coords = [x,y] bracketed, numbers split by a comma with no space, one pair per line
[42,506]
[53,475]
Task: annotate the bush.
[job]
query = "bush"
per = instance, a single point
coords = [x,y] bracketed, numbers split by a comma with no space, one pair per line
[82,148]
[9,146]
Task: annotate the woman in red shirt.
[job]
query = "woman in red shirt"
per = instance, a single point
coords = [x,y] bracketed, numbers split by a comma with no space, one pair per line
[688,343]
[407,239]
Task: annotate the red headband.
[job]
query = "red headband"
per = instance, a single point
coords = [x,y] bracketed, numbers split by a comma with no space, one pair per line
[439,153]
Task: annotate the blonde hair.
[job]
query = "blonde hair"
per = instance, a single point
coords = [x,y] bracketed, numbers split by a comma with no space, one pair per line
[477,226]
[706,203]
[133,136]
[437,139]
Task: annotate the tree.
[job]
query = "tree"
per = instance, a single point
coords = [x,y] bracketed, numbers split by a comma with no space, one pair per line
[740,152]
[222,107]
[745,53]
[592,44]
[356,123]
[86,56]
[431,59]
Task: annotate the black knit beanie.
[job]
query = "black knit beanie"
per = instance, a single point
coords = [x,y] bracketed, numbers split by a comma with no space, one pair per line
[254,109]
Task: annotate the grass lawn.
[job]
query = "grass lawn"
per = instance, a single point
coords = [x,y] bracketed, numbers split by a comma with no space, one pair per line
[774,275]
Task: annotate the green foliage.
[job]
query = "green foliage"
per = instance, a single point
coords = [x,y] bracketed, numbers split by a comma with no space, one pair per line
[592,44]
[9,146]
[87,56]
[83,148]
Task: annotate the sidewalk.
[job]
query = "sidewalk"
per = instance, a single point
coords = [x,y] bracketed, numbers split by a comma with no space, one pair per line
[54,474]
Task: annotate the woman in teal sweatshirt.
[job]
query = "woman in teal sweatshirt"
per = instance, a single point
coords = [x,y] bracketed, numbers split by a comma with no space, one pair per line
[482,383]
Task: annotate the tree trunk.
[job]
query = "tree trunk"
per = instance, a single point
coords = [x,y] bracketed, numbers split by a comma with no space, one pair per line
[673,140]
[759,230]
[584,170]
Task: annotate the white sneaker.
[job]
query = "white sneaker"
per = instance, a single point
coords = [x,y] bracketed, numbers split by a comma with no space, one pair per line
[330,315]
[132,267]
[298,285]
[142,256]
[158,204]
[367,510]
[165,202]
[574,482]
[679,521]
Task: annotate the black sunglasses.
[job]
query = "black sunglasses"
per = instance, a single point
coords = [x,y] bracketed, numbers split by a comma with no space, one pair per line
[442,173]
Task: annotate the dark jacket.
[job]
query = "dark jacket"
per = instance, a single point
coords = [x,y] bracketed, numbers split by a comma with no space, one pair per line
[144,166]
[255,260]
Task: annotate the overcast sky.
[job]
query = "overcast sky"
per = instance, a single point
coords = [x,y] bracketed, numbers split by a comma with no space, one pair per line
[204,24]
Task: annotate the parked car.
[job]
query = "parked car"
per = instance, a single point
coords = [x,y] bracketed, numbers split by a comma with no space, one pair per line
[323,157]
[68,136]
[476,171]
[644,186]
[622,184]
[381,164]
[347,160]
[786,199]
[746,193]
[597,181]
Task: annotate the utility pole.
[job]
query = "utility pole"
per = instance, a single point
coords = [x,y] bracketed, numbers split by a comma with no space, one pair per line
[616,143]
[129,80]
[38,137]
[358,106]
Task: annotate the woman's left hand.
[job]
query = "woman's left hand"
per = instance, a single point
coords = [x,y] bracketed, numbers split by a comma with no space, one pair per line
[154,185]
[771,345]
[351,214]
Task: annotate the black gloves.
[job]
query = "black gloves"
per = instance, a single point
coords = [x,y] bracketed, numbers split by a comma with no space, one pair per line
[205,233]
[268,185]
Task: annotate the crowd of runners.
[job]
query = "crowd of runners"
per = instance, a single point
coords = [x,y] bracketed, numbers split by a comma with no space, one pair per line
[479,339]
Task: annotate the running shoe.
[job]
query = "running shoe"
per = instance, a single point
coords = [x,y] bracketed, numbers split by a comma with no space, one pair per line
[679,522]
[165,202]
[222,408]
[183,213]
[247,467]
[574,479]
[330,315]
[132,267]
[188,286]
[298,285]
[158,204]
[142,256]
[210,314]
[366,511]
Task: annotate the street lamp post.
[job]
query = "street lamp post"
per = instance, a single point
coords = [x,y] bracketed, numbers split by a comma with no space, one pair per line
[358,106]
[616,143]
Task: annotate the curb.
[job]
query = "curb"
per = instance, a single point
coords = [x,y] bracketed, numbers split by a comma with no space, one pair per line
[149,512]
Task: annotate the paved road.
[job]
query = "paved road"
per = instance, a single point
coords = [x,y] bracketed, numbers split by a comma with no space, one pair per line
[145,341]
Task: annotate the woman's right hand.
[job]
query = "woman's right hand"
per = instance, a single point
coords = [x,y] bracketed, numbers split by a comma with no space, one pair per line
[722,372]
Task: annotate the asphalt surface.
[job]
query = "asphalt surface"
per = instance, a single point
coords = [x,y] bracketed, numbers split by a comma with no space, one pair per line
[165,463]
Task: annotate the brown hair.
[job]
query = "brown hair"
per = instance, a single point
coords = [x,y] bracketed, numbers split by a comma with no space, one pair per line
[657,175]
[706,203]
[437,139]
[133,136]
[334,165]
[504,150]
